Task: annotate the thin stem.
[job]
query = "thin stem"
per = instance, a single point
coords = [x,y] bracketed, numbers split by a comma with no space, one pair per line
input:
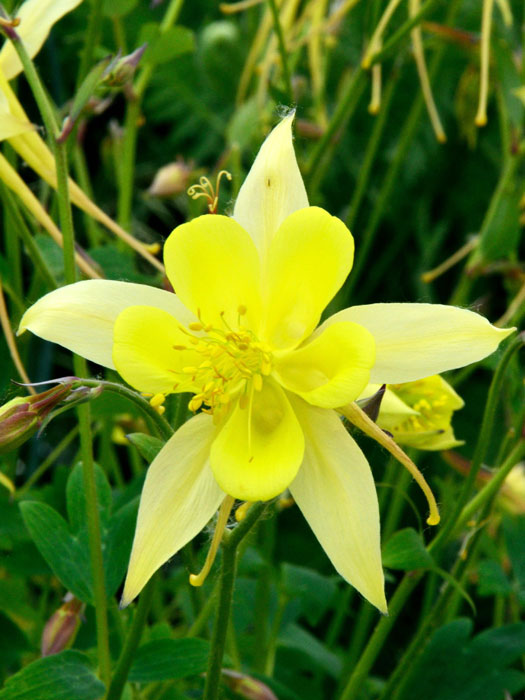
[22,230]
[486,22]
[132,641]
[391,45]
[379,636]
[92,34]
[492,487]
[227,580]
[48,461]
[344,105]
[483,442]
[164,428]
[371,150]
[129,146]
[282,50]
[84,411]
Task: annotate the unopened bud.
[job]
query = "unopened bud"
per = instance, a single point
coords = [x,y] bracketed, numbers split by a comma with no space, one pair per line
[21,417]
[62,627]
[170,180]
[246,686]
[122,68]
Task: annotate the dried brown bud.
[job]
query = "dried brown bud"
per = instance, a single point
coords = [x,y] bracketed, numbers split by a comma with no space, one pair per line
[61,628]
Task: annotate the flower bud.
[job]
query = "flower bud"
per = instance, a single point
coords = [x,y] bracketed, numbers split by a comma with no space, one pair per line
[170,180]
[246,686]
[21,417]
[62,627]
[122,68]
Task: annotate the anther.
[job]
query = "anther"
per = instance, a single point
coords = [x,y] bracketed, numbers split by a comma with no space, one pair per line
[195,326]
[242,510]
[157,400]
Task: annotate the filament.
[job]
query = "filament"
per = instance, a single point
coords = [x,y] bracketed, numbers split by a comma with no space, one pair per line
[375,41]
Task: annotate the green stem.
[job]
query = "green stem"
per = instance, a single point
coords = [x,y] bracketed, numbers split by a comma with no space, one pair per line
[345,105]
[164,428]
[227,580]
[371,150]
[84,411]
[492,487]
[129,146]
[483,442]
[22,229]
[92,34]
[132,641]
[355,683]
[391,176]
[282,50]
[404,29]
[48,461]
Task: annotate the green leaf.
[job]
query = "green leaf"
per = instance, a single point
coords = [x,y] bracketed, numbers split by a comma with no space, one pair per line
[65,676]
[117,8]
[405,550]
[117,539]
[514,531]
[314,592]
[167,45]
[147,445]
[454,666]
[298,639]
[165,659]
[67,555]
[492,579]
[76,500]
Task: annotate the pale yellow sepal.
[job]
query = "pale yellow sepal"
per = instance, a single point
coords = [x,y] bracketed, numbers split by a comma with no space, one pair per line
[418,340]
[258,451]
[179,497]
[336,493]
[273,189]
[81,316]
[308,260]
[332,369]
[13,126]
[36,20]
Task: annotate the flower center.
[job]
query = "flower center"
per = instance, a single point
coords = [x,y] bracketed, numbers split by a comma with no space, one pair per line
[233,365]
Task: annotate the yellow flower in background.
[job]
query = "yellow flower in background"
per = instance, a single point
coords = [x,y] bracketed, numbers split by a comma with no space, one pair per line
[241,334]
[419,414]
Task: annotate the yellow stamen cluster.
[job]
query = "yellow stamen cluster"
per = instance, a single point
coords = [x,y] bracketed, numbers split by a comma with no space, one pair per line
[432,405]
[233,366]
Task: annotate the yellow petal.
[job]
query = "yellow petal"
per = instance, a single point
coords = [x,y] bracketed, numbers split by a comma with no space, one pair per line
[36,19]
[144,354]
[12,126]
[308,261]
[273,189]
[213,266]
[260,448]
[331,370]
[336,493]
[179,497]
[81,316]
[417,340]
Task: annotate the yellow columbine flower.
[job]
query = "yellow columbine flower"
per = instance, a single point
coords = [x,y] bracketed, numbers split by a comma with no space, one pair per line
[419,414]
[241,334]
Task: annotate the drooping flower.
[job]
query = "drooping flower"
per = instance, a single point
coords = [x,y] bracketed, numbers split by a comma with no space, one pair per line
[419,414]
[241,334]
